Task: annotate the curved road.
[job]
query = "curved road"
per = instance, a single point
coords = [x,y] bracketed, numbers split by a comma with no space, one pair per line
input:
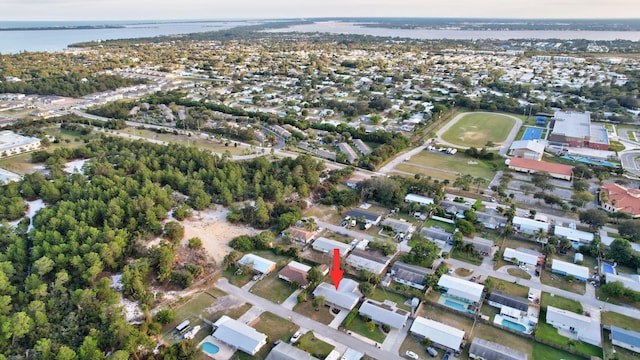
[502,149]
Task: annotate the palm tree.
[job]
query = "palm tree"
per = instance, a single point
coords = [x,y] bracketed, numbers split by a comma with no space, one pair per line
[540,234]
[311,224]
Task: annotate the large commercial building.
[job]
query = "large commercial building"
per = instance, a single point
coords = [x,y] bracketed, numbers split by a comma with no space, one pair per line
[558,171]
[14,144]
[617,198]
[574,129]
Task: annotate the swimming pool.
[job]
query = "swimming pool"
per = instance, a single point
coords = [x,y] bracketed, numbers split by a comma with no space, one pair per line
[608,269]
[456,305]
[210,348]
[514,326]
[531,133]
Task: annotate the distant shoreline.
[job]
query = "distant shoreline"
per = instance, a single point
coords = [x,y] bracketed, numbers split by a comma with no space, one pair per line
[80,27]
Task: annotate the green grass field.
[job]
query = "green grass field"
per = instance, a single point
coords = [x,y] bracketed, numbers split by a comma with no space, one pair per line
[358,326]
[619,320]
[506,287]
[476,129]
[549,333]
[273,289]
[314,346]
[545,352]
[560,303]
[447,167]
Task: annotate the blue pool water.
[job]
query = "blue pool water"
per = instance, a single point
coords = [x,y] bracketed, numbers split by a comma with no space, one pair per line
[514,326]
[607,269]
[454,304]
[531,134]
[210,348]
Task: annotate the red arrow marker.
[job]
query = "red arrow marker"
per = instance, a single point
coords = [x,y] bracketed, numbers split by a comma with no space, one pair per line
[336,273]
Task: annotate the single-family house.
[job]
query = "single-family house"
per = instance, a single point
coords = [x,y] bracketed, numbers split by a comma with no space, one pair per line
[441,335]
[257,263]
[411,275]
[284,351]
[491,221]
[295,272]
[483,246]
[482,349]
[435,233]
[624,338]
[527,149]
[461,289]
[568,269]
[584,328]
[325,245]
[368,216]
[499,300]
[631,282]
[529,226]
[399,226]
[558,171]
[239,335]
[373,262]
[352,354]
[571,233]
[421,200]
[300,235]
[385,313]
[345,297]
[523,256]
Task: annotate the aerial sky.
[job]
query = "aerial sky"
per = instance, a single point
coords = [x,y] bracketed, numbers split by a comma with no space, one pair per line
[22,10]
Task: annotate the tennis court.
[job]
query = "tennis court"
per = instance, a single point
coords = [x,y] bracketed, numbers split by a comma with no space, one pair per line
[531,133]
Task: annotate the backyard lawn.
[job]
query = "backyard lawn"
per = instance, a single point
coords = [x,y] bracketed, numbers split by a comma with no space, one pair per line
[359,326]
[546,352]
[446,226]
[560,303]
[490,333]
[273,288]
[316,347]
[381,295]
[477,129]
[446,317]
[506,287]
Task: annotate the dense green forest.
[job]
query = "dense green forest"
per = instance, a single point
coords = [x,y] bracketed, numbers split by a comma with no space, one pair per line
[56,299]
[72,85]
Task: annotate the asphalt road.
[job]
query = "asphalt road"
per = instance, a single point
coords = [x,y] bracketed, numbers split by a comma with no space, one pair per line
[305,322]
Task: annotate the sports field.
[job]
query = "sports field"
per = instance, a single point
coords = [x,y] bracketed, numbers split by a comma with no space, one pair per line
[477,129]
[448,167]
[531,133]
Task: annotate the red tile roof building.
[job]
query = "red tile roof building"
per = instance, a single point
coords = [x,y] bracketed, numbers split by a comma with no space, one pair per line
[558,171]
[614,197]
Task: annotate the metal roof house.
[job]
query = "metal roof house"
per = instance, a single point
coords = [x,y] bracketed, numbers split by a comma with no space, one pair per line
[411,275]
[361,259]
[258,263]
[327,245]
[422,200]
[573,234]
[436,233]
[522,257]
[491,221]
[461,289]
[487,350]
[529,226]
[370,217]
[566,268]
[239,335]
[399,226]
[346,297]
[499,299]
[284,351]
[583,327]
[483,246]
[624,338]
[384,313]
[441,335]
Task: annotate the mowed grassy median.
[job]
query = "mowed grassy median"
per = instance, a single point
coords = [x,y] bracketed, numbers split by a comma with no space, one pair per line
[476,129]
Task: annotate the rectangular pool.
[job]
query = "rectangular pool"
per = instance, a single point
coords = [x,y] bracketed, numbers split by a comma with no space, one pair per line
[455,305]
[608,269]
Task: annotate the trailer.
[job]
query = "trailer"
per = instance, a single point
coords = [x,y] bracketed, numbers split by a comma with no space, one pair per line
[183,326]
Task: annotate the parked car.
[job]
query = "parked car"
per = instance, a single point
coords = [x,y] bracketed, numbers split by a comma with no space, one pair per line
[411,355]
[524,268]
[433,352]
[296,336]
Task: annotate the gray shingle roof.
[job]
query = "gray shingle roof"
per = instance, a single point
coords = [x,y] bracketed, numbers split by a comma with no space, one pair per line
[493,351]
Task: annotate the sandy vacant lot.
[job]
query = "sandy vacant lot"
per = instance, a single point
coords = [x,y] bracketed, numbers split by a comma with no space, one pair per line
[212,227]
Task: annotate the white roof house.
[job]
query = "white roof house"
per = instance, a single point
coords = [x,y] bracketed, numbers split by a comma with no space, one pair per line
[488,350]
[566,268]
[258,263]
[440,334]
[529,226]
[351,354]
[521,256]
[422,200]
[360,261]
[325,245]
[585,328]
[461,288]
[384,313]
[346,297]
[573,234]
[239,335]
[629,282]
